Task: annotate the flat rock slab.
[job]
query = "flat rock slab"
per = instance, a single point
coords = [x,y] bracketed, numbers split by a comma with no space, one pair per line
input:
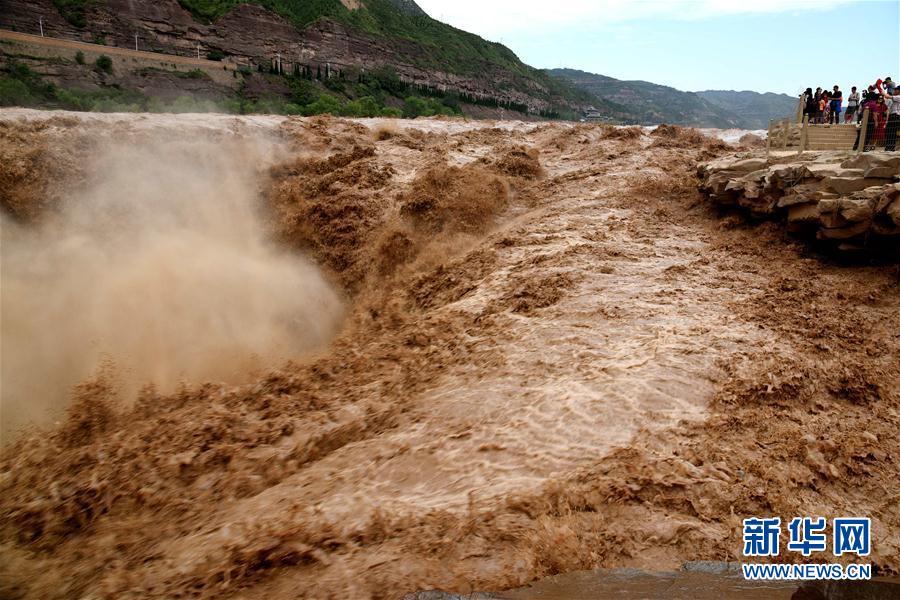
[874,160]
[848,185]
[821,170]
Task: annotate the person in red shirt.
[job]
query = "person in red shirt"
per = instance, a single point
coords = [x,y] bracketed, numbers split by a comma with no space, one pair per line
[868,135]
[880,114]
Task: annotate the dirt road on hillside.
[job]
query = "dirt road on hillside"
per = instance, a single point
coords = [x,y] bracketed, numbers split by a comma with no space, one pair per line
[554,357]
[51,42]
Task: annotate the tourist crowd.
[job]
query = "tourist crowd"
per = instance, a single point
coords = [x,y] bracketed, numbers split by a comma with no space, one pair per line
[882,99]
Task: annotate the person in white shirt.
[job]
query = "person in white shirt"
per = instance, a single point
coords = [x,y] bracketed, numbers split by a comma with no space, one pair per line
[893,122]
[852,104]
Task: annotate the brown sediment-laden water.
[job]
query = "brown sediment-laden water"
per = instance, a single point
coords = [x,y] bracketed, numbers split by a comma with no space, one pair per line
[272,357]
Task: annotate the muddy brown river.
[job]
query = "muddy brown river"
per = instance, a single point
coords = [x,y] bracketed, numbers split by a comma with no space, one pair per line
[283,357]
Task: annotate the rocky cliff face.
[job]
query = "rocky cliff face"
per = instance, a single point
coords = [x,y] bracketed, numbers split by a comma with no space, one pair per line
[252,35]
[851,201]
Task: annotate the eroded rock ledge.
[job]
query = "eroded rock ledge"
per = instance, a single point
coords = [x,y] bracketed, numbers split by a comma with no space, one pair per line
[849,200]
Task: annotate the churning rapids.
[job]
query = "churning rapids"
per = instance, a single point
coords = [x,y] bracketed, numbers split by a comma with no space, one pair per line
[281,357]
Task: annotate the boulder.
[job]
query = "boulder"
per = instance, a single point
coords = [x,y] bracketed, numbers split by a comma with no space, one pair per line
[749,165]
[848,185]
[794,199]
[716,183]
[732,166]
[857,209]
[760,205]
[752,191]
[830,215]
[844,233]
[822,170]
[893,212]
[756,176]
[829,205]
[801,213]
[885,172]
[735,185]
[873,193]
[889,194]
[821,195]
[789,172]
[885,229]
[876,164]
[799,194]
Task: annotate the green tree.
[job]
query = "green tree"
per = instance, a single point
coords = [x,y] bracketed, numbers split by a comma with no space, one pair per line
[73,11]
[303,92]
[15,93]
[363,107]
[324,105]
[104,63]
[414,107]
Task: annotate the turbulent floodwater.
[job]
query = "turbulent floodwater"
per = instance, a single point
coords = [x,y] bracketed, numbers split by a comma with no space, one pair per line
[157,269]
[553,356]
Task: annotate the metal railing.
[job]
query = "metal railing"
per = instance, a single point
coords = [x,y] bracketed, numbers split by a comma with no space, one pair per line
[800,135]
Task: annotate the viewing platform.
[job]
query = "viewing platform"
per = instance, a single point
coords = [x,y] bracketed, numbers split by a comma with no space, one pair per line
[796,134]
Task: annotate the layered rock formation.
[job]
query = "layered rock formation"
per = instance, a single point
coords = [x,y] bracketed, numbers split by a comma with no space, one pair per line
[250,35]
[849,200]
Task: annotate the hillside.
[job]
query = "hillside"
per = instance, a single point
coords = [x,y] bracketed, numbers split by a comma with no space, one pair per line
[448,48]
[314,35]
[755,109]
[649,103]
[645,102]
[350,57]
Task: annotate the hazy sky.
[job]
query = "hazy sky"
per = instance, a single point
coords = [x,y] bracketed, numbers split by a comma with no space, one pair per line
[763,45]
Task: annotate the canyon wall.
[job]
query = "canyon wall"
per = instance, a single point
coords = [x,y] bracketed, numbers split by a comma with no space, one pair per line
[252,35]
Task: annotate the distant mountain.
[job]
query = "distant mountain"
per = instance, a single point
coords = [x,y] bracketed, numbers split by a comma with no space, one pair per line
[650,103]
[755,109]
